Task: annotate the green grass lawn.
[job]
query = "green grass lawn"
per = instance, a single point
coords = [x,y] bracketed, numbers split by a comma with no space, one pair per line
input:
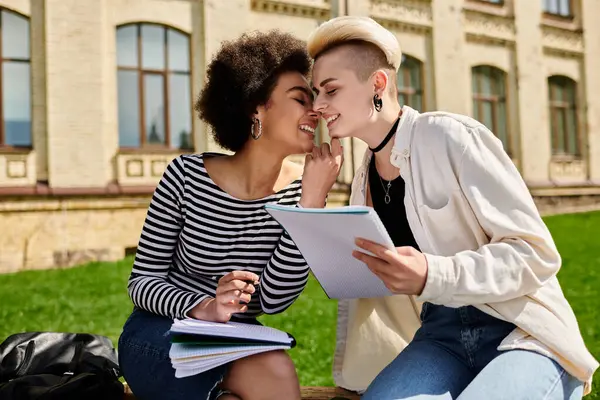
[93,298]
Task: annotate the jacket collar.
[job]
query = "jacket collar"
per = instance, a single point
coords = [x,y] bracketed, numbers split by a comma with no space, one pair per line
[400,151]
[403,139]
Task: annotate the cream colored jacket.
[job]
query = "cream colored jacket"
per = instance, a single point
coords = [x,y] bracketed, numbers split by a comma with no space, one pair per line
[485,243]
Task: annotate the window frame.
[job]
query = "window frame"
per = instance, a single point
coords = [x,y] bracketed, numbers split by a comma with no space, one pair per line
[410,91]
[165,72]
[556,106]
[498,79]
[499,3]
[570,12]
[3,145]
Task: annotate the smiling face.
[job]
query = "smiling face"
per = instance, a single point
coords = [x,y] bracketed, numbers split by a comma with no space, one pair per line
[288,119]
[345,79]
[342,100]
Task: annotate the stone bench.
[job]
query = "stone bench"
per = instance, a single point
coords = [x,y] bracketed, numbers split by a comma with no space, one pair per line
[308,393]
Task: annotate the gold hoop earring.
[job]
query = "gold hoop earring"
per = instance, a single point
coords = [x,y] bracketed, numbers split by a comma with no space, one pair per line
[255,135]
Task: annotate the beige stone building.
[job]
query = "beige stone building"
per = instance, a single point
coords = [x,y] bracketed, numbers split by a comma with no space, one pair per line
[96,98]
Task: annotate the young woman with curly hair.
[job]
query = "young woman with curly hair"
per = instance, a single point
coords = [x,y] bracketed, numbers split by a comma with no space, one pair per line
[207,240]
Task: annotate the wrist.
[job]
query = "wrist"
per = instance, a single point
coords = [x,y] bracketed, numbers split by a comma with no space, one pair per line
[312,202]
[203,310]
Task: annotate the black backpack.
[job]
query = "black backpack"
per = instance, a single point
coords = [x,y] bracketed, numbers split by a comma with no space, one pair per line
[67,366]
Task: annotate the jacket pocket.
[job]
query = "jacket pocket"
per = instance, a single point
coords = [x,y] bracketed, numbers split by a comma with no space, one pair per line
[442,226]
[439,215]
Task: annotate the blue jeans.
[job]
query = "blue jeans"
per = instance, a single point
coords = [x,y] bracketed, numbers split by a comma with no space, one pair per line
[144,360]
[454,356]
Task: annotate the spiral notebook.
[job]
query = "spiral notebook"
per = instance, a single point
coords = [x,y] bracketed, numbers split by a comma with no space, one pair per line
[198,346]
[325,237]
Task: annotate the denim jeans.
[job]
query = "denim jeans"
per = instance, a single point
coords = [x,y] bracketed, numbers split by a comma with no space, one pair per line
[454,356]
[144,360]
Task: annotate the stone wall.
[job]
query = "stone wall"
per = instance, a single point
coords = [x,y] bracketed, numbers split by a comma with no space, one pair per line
[76,195]
[65,230]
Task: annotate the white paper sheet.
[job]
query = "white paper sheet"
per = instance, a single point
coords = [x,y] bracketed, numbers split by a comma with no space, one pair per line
[325,237]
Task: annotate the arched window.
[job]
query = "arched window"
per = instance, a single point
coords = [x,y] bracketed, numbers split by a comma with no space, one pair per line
[15,80]
[154,89]
[562,96]
[489,101]
[410,83]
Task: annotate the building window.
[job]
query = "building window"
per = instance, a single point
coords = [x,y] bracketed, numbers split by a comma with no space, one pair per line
[15,80]
[562,92]
[154,89]
[558,7]
[489,101]
[410,83]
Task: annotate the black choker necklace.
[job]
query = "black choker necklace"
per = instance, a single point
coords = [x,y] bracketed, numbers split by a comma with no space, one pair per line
[387,138]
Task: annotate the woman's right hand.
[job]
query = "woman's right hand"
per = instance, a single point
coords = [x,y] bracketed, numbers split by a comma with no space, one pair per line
[321,169]
[233,293]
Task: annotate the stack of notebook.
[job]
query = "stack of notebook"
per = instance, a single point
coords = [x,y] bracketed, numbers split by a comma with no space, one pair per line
[198,346]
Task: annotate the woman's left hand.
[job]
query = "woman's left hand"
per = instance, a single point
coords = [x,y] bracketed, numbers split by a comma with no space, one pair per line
[403,271]
[321,169]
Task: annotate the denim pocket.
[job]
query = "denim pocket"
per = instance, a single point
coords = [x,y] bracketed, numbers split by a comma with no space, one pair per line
[424,309]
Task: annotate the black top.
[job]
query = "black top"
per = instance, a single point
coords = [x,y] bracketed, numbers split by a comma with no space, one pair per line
[393,215]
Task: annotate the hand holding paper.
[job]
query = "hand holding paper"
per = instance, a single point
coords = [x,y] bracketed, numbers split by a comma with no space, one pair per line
[402,270]
[326,238]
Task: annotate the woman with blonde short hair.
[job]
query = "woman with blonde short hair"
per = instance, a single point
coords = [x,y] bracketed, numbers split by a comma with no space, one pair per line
[478,311]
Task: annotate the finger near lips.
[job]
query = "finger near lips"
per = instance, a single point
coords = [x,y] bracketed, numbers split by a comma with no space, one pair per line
[325,151]
[316,152]
[336,147]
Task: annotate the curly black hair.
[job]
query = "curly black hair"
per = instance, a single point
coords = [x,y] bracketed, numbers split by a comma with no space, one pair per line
[242,76]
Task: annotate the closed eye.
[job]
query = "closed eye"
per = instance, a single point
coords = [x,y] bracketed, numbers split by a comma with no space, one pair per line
[331,92]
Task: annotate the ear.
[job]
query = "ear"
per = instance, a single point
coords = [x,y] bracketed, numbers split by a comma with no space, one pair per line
[261,110]
[380,81]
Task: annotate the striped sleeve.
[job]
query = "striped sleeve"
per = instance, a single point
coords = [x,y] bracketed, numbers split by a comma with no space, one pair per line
[284,277]
[148,287]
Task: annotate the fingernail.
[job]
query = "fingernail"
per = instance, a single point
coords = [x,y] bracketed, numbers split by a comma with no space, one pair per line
[358,241]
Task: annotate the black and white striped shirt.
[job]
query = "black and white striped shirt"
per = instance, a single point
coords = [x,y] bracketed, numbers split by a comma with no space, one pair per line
[195,233]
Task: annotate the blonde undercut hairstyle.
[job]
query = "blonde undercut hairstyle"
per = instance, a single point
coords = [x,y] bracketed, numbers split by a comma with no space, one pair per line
[370,46]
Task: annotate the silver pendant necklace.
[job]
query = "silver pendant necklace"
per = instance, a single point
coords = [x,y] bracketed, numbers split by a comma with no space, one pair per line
[387,197]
